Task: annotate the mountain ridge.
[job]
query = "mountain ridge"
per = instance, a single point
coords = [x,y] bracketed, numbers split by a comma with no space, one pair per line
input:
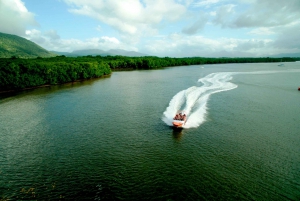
[16,46]
[96,52]
[13,45]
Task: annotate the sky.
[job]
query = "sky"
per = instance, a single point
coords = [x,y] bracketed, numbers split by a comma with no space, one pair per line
[173,28]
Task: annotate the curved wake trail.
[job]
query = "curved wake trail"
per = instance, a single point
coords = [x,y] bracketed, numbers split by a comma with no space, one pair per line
[194,99]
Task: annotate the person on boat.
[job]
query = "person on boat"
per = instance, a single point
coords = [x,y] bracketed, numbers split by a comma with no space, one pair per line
[177,116]
[180,116]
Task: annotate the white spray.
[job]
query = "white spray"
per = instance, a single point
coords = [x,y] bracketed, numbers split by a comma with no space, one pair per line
[194,99]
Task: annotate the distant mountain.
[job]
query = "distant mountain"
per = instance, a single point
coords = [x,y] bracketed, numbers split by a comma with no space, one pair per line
[89,52]
[12,45]
[125,53]
[96,52]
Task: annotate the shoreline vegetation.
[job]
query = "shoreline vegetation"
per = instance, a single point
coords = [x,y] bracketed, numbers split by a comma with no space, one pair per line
[21,74]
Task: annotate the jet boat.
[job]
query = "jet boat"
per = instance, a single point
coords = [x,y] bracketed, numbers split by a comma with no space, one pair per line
[179,120]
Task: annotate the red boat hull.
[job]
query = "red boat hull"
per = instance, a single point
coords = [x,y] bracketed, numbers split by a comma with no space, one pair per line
[177,124]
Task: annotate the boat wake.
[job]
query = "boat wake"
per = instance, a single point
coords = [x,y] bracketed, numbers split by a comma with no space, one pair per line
[193,100]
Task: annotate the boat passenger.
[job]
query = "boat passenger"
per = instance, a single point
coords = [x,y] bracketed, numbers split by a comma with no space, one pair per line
[180,116]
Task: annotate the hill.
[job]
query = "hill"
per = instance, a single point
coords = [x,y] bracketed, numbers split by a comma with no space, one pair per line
[115,52]
[12,45]
[95,52]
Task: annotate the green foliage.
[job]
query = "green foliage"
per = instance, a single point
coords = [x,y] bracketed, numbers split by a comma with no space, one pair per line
[16,73]
[15,46]
[24,73]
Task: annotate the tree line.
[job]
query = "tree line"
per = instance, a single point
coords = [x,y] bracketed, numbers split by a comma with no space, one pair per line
[16,73]
[151,62]
[26,73]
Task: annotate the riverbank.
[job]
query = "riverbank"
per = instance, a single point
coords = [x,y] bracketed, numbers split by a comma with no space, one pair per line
[23,74]
[12,91]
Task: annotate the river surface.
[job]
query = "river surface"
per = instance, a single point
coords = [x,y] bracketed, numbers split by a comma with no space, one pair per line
[110,139]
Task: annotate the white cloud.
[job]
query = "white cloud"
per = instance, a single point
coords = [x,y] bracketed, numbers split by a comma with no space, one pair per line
[129,16]
[197,25]
[205,3]
[35,36]
[261,15]
[252,45]
[186,2]
[187,46]
[52,34]
[265,13]
[289,38]
[111,40]
[14,17]
[99,28]
[262,31]
[144,25]
[224,15]
[213,13]
[50,40]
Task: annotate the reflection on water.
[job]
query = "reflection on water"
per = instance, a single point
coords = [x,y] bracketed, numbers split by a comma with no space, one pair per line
[103,139]
[52,88]
[177,133]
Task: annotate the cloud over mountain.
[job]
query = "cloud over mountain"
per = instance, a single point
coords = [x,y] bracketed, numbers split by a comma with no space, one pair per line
[14,17]
[158,27]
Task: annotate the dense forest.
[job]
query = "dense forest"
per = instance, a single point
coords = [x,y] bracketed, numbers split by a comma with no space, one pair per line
[26,73]
[16,73]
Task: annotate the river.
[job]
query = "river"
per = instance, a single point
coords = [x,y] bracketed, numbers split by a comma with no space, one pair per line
[110,139]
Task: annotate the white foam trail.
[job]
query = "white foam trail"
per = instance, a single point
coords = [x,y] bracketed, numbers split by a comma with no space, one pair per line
[194,99]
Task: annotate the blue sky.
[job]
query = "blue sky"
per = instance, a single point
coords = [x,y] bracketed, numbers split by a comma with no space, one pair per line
[176,28]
